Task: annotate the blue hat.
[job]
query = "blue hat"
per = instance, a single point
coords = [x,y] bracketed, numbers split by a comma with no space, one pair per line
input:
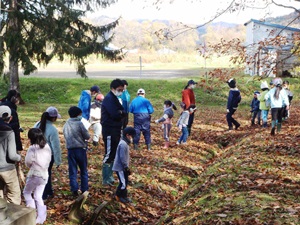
[191,82]
[256,92]
[95,88]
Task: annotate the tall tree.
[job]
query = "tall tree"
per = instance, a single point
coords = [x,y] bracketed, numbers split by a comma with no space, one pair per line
[35,31]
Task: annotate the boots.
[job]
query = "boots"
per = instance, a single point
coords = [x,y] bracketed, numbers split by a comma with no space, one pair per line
[30,203]
[149,146]
[121,195]
[167,144]
[41,214]
[106,174]
[273,127]
[278,127]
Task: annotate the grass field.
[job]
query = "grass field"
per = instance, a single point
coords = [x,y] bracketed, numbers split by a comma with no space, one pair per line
[220,177]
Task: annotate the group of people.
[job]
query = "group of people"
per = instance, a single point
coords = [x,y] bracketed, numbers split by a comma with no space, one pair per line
[277,100]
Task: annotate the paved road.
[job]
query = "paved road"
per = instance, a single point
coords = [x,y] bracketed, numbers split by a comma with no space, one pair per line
[122,74]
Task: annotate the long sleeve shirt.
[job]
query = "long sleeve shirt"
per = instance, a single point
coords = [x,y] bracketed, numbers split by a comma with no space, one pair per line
[280,102]
[122,156]
[188,97]
[183,119]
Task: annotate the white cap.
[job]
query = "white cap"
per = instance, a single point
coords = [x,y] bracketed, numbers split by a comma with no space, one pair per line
[53,112]
[263,85]
[141,91]
[5,109]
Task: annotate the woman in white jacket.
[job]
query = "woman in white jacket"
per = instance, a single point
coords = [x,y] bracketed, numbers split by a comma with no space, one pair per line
[38,158]
[278,99]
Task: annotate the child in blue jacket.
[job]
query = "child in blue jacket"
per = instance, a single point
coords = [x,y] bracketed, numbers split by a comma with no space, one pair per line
[255,108]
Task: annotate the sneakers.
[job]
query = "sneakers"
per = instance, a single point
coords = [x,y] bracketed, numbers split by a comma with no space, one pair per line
[237,126]
[177,143]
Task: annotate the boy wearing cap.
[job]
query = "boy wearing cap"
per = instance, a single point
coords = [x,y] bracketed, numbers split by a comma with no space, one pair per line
[188,98]
[85,100]
[8,157]
[141,108]
[234,98]
[255,108]
[75,136]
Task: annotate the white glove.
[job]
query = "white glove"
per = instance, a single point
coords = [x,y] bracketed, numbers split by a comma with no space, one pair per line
[227,110]
[156,121]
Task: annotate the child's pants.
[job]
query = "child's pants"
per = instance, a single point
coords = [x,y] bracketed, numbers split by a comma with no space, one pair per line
[35,185]
[230,119]
[97,128]
[184,135]
[167,128]
[254,115]
[123,182]
[264,115]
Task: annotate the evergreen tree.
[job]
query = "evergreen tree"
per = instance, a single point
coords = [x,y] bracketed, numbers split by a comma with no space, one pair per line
[36,31]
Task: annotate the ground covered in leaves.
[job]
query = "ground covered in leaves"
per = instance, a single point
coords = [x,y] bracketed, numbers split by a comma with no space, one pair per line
[220,177]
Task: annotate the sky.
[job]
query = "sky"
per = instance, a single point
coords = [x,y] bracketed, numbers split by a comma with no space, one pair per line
[193,12]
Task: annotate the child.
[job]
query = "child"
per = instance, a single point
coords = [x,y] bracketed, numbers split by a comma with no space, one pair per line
[255,108]
[285,85]
[121,163]
[37,158]
[263,105]
[166,119]
[234,98]
[278,99]
[95,116]
[182,122]
[76,135]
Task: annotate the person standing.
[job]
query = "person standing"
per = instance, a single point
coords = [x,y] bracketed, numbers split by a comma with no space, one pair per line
[8,157]
[188,98]
[75,136]
[125,103]
[37,158]
[50,132]
[112,113]
[121,164]
[234,98]
[95,117]
[264,106]
[85,100]
[278,98]
[11,100]
[256,112]
[141,108]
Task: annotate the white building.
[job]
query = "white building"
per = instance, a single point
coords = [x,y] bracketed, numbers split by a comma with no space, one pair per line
[268,48]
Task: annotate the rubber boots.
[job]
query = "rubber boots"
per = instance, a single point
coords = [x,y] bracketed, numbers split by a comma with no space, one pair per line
[273,127]
[106,174]
[167,144]
[41,214]
[149,146]
[278,127]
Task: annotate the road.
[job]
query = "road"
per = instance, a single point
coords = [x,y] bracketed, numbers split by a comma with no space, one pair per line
[122,74]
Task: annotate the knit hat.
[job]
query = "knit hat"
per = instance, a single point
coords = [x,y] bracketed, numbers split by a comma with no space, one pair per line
[95,88]
[74,111]
[264,85]
[141,91]
[231,83]
[53,112]
[5,110]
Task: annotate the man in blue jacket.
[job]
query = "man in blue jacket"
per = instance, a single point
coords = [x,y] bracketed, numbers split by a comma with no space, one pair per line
[142,110]
[112,113]
[85,100]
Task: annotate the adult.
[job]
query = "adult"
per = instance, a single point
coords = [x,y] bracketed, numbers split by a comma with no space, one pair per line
[51,134]
[8,157]
[85,100]
[278,98]
[95,117]
[142,110]
[112,113]
[125,97]
[188,98]
[11,100]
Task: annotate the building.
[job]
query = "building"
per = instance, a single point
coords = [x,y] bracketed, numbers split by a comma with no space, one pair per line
[269,48]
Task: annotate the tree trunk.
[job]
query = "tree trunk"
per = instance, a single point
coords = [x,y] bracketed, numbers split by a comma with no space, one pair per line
[13,27]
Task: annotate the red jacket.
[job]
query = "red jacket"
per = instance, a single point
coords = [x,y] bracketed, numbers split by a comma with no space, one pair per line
[188,97]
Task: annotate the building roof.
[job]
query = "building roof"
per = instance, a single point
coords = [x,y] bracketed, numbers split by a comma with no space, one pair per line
[272,25]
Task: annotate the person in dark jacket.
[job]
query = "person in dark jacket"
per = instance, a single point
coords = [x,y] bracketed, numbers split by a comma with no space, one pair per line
[8,157]
[11,100]
[112,114]
[234,98]
[255,108]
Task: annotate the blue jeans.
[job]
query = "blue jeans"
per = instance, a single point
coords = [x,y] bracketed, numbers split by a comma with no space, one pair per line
[264,115]
[78,157]
[184,135]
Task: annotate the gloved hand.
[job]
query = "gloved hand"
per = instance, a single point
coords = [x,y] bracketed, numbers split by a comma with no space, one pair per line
[228,111]
[156,121]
